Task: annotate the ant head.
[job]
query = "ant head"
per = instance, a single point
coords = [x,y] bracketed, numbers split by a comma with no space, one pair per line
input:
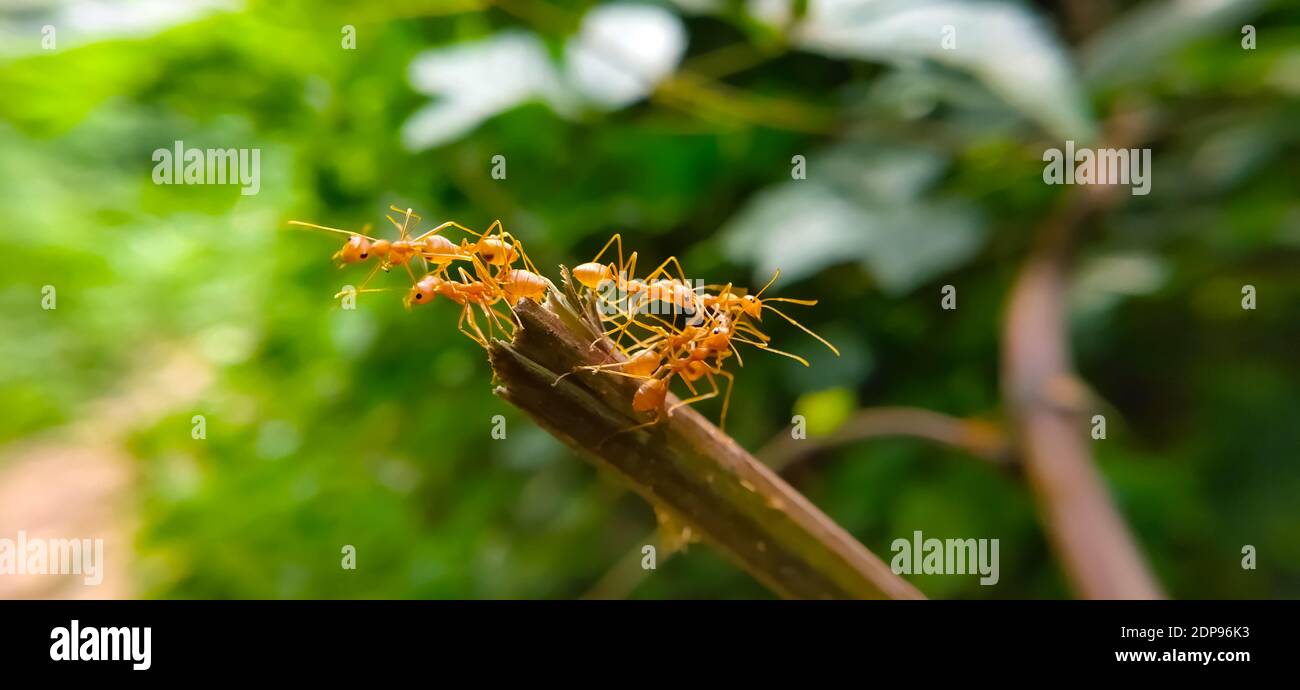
[719,337]
[423,291]
[752,306]
[355,250]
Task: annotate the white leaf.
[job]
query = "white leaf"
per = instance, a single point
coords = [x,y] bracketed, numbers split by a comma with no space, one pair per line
[799,227]
[1132,47]
[1000,43]
[804,226]
[475,81]
[622,51]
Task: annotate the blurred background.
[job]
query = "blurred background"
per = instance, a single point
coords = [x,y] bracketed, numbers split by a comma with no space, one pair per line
[678,125]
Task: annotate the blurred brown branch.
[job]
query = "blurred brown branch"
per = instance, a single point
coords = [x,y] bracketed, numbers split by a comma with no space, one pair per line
[979,438]
[1046,402]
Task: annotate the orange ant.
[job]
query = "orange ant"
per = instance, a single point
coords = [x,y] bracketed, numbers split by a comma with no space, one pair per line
[432,248]
[690,366]
[676,291]
[683,353]
[594,274]
[468,293]
[716,323]
[632,295]
[501,251]
[752,306]
[360,247]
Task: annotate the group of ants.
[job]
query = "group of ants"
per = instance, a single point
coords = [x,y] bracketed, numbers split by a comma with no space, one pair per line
[665,327]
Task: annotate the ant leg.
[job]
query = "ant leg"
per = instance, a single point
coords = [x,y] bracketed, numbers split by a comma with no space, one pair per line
[765,348]
[643,344]
[437,229]
[489,322]
[740,361]
[340,231]
[405,211]
[631,265]
[659,417]
[690,386]
[621,330]
[663,268]
[494,318]
[726,399]
[769,284]
[751,330]
[485,276]
[593,368]
[697,398]
[616,239]
[364,283]
[640,377]
[403,228]
[502,320]
[483,340]
[467,314]
[804,328]
[523,255]
[409,272]
[460,326]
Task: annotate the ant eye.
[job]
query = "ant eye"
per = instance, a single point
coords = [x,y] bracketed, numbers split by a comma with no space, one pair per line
[717,331]
[365,254]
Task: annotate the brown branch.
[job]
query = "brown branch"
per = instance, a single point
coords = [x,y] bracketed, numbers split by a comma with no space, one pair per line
[975,437]
[981,439]
[691,472]
[1047,404]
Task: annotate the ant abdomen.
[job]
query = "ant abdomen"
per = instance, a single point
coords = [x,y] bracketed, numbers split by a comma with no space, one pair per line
[643,363]
[591,275]
[650,395]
